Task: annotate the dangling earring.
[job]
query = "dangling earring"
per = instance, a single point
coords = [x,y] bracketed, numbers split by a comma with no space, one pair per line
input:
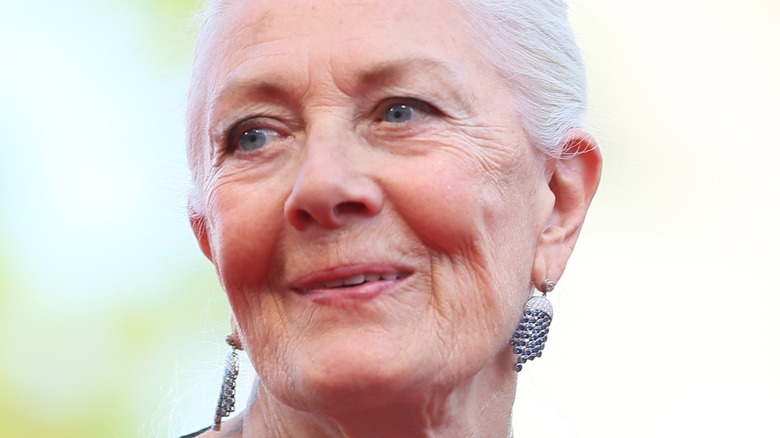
[531,335]
[227,397]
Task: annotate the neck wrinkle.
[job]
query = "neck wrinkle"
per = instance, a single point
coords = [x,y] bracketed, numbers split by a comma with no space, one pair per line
[480,407]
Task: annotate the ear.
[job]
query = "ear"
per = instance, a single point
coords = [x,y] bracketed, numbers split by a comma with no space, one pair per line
[573,183]
[198,224]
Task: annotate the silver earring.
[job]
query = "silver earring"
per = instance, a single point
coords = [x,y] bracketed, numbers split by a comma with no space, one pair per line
[530,337]
[227,397]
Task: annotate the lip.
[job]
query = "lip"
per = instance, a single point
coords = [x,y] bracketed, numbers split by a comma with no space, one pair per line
[360,281]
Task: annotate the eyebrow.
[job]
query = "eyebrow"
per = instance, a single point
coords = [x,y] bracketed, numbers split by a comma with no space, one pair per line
[388,69]
[275,86]
[440,72]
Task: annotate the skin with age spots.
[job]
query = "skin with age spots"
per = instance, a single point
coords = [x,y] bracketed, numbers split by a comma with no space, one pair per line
[375,214]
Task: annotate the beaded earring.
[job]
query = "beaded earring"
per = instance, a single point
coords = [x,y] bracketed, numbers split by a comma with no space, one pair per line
[529,339]
[227,397]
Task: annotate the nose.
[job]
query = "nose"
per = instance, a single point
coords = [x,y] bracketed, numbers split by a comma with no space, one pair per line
[331,188]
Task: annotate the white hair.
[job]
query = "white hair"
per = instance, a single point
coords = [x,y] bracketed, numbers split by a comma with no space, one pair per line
[530,43]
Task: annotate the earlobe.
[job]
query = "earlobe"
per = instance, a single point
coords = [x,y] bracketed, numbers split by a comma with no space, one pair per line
[235,332]
[573,184]
[199,227]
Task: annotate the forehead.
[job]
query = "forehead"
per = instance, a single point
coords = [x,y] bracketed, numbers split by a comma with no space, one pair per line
[280,18]
[339,34]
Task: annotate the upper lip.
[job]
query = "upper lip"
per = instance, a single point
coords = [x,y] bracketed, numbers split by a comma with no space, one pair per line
[350,275]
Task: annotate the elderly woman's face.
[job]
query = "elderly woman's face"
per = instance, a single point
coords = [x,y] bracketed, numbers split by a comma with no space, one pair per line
[370,201]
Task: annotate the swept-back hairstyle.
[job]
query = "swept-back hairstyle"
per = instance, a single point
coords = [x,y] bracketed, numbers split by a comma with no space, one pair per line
[532,45]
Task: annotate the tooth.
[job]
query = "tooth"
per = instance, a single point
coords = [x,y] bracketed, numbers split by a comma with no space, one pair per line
[353,280]
[389,276]
[334,283]
[372,277]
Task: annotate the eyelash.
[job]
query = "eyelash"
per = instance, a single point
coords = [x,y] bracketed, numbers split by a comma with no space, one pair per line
[417,104]
[235,134]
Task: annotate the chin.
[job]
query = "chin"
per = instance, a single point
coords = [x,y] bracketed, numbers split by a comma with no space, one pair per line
[358,372]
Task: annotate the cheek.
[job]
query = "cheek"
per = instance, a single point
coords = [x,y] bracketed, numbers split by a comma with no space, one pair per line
[455,206]
[243,228]
[482,230]
[438,201]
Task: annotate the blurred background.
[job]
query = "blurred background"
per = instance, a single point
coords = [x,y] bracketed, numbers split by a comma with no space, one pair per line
[112,323]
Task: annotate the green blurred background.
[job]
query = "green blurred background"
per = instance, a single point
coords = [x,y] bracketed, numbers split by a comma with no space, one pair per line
[111,322]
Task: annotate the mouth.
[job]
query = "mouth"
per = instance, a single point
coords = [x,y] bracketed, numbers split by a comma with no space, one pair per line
[350,278]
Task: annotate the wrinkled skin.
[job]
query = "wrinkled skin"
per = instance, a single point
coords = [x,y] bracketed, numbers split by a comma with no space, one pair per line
[385,147]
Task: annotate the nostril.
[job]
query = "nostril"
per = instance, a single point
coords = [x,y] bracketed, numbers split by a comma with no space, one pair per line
[301,218]
[346,208]
[331,199]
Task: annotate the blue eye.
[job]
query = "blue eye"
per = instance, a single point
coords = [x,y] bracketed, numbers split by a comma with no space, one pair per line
[398,113]
[257,138]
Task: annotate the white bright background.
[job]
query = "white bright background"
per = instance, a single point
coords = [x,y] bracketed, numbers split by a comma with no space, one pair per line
[111,323]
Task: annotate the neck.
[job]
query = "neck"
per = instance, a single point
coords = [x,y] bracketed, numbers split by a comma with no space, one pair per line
[479,407]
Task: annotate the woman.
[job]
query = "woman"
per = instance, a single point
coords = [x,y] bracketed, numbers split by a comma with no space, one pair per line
[381,186]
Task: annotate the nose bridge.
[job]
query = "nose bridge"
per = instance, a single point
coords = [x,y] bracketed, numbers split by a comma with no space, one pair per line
[327,138]
[327,154]
[331,186]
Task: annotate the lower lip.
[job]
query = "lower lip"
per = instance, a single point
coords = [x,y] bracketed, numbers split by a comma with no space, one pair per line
[364,292]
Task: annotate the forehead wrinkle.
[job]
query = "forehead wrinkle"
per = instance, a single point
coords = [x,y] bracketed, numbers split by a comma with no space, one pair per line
[259,79]
[238,42]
